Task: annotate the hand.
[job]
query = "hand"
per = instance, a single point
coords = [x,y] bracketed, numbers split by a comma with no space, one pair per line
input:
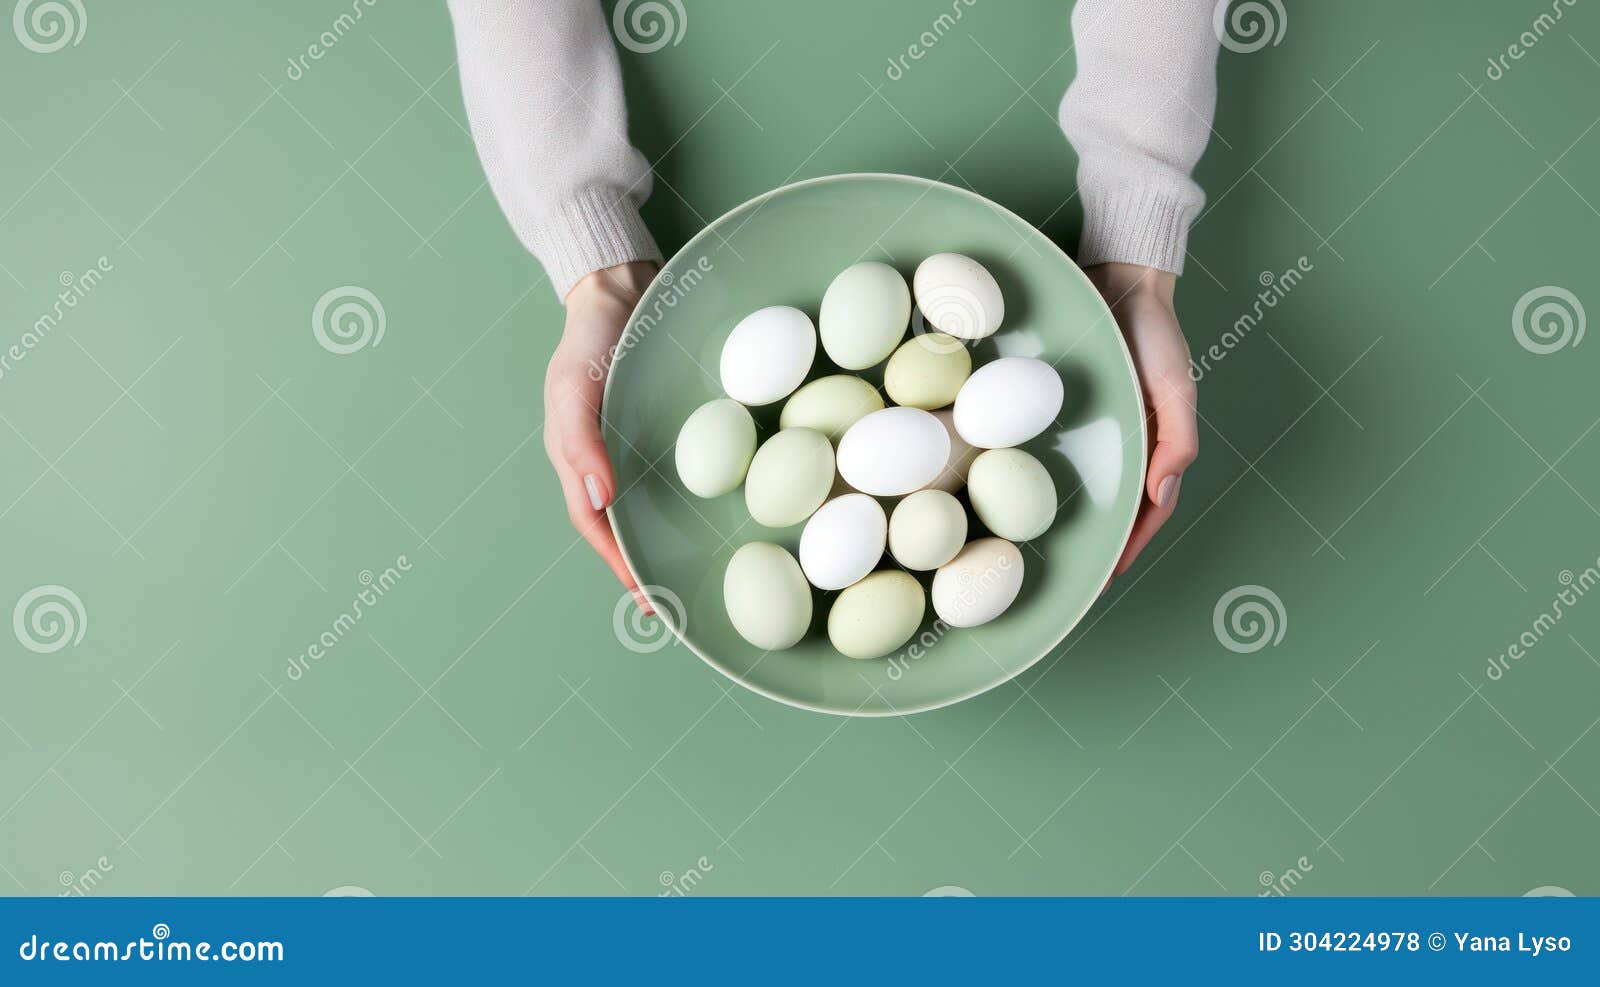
[597,311]
[1141,300]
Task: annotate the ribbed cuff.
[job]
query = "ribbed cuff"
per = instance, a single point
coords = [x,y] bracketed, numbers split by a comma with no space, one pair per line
[1135,224]
[596,228]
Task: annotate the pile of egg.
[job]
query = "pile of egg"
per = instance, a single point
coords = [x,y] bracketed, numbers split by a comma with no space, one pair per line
[949,427]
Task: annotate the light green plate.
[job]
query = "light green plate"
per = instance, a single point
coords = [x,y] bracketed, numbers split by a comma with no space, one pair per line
[783,248]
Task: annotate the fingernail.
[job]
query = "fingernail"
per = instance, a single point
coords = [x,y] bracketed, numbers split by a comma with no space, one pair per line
[597,500]
[1164,493]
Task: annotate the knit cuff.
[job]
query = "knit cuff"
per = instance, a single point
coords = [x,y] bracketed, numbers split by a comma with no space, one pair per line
[1134,224]
[594,229]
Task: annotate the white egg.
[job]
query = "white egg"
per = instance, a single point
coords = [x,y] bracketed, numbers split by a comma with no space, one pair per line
[843,541]
[768,354]
[978,584]
[957,295]
[1012,494]
[714,447]
[864,315]
[927,529]
[954,475]
[767,597]
[1008,401]
[893,452]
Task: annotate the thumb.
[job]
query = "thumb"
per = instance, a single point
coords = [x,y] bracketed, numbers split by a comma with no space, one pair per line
[1177,439]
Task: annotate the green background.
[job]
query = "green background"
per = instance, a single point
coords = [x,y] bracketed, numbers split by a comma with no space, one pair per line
[181,454]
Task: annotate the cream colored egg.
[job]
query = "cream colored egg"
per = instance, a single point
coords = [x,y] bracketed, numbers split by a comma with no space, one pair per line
[877,615]
[766,595]
[954,475]
[1012,494]
[927,371]
[714,447]
[927,529]
[958,295]
[864,315]
[789,477]
[831,405]
[978,584]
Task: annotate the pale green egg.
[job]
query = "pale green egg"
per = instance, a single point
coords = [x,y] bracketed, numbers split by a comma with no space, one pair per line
[864,315]
[927,529]
[1012,494]
[789,477]
[767,596]
[831,405]
[927,371]
[877,615]
[714,447]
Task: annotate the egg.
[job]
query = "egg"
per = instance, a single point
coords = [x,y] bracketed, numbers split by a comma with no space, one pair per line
[1007,402]
[1012,494]
[978,584]
[714,447]
[927,529]
[927,371]
[954,475]
[766,595]
[958,295]
[864,314]
[876,615]
[843,541]
[789,477]
[768,354]
[830,405]
[893,452]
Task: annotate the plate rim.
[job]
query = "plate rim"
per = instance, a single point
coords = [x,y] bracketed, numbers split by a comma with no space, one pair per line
[664,614]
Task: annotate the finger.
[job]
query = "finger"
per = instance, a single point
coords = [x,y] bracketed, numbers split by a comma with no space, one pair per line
[581,445]
[595,528]
[1151,518]
[1177,439]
